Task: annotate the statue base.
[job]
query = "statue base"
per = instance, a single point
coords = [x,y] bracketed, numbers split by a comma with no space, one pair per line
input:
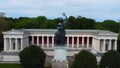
[60,54]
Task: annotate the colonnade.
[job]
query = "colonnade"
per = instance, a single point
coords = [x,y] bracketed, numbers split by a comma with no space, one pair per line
[17,44]
[108,44]
[71,41]
[42,44]
[79,42]
[13,44]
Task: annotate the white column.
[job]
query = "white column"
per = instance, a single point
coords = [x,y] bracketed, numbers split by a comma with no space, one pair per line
[42,41]
[47,41]
[110,44]
[5,44]
[67,42]
[32,40]
[98,42]
[77,42]
[82,41]
[37,40]
[16,44]
[87,42]
[52,42]
[10,40]
[115,45]
[21,44]
[72,42]
[103,45]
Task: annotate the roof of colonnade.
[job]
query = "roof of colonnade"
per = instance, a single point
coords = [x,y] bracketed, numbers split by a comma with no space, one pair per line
[68,31]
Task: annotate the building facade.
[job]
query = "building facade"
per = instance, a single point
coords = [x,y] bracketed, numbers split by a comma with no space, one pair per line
[95,41]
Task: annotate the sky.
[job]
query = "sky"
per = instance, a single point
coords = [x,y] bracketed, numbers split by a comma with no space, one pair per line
[99,10]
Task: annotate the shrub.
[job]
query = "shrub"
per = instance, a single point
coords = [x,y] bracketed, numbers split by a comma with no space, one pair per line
[70,63]
[110,59]
[84,59]
[32,57]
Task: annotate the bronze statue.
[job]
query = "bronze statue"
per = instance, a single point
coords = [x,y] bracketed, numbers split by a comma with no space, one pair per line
[59,38]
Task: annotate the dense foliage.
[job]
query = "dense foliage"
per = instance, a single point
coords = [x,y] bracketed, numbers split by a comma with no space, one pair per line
[110,59]
[32,57]
[84,59]
[4,25]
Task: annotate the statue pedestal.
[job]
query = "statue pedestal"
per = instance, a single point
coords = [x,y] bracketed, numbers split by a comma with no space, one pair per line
[60,54]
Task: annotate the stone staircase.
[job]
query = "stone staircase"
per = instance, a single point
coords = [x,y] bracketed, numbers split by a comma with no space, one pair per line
[9,53]
[59,65]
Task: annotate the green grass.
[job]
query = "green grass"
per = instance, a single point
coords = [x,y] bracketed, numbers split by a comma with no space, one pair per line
[16,65]
[5,65]
[13,65]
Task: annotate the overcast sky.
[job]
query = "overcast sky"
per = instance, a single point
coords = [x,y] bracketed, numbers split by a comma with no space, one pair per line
[96,9]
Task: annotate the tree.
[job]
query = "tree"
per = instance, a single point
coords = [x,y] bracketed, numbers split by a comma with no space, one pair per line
[4,25]
[41,21]
[84,59]
[32,57]
[71,24]
[118,43]
[110,59]
[2,14]
[85,23]
[80,23]
[98,25]
[51,24]
[25,22]
[110,25]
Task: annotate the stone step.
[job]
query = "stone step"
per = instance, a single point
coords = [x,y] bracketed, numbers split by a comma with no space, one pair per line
[59,65]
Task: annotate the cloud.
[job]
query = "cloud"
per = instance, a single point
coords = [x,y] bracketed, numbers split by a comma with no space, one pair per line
[97,9]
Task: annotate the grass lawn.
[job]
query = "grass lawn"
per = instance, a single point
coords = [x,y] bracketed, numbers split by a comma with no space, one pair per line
[5,65]
[13,65]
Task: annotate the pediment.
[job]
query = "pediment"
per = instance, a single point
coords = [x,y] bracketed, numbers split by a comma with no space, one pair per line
[13,31]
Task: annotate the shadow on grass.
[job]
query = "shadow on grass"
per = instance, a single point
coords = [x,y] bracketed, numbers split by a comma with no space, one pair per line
[14,65]
[6,65]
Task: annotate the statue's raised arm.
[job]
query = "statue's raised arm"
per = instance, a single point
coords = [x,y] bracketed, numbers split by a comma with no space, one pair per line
[65,17]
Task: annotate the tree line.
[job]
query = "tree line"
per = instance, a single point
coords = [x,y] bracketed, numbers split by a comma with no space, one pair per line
[41,22]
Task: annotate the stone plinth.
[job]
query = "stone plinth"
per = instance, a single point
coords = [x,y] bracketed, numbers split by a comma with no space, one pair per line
[60,54]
